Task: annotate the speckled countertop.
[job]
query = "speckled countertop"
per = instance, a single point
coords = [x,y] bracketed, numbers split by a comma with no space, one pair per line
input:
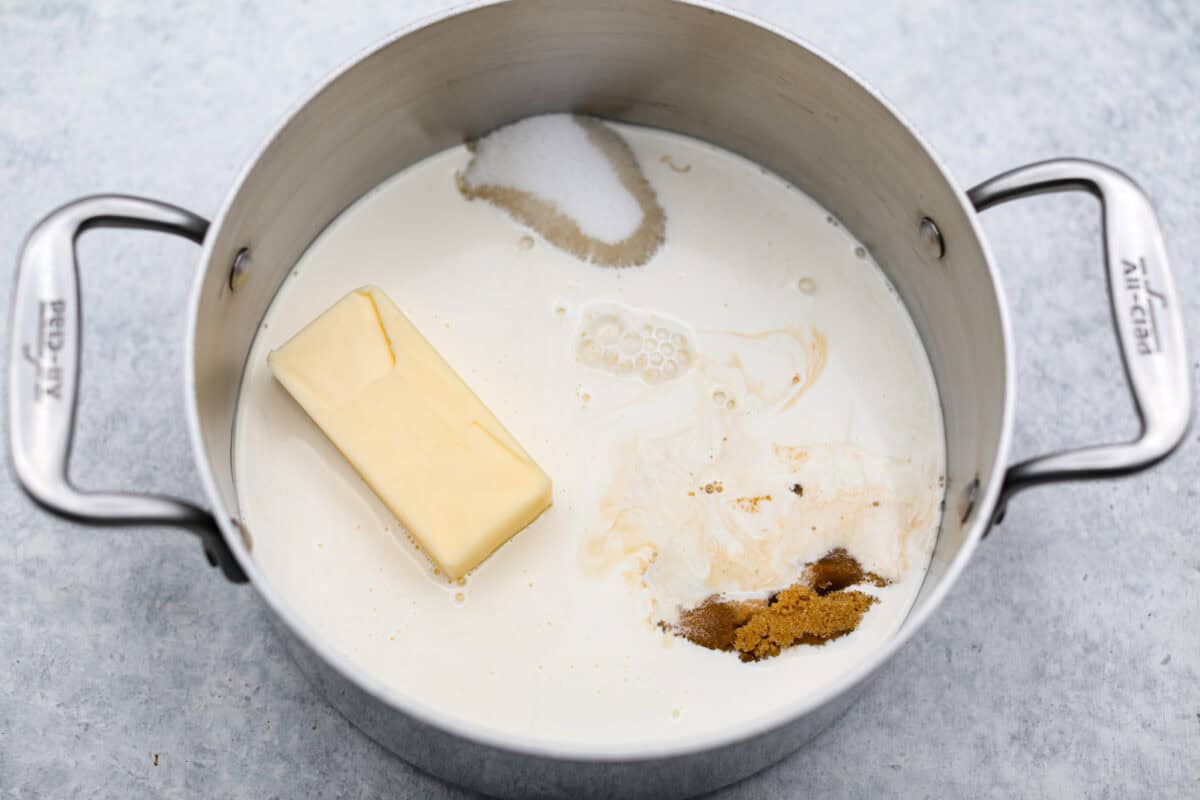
[1065,663]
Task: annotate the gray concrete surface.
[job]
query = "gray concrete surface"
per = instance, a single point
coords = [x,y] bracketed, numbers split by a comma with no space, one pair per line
[1066,663]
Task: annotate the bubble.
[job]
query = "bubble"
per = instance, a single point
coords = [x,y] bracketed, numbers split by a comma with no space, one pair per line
[860,251]
[608,331]
[807,285]
[630,341]
[589,352]
[719,397]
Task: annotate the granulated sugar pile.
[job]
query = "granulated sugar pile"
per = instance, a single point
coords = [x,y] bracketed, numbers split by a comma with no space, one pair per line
[573,180]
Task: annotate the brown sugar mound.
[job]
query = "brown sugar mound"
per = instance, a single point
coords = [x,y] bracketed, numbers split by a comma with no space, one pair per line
[837,570]
[815,610]
[715,622]
[798,615]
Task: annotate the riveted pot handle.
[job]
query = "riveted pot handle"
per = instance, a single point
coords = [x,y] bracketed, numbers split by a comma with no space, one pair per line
[1146,314]
[43,371]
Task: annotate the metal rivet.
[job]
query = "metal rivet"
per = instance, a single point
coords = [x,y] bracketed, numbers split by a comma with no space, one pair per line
[931,237]
[240,269]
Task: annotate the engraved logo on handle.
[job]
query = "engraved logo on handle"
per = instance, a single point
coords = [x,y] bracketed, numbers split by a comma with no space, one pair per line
[1143,320]
[46,353]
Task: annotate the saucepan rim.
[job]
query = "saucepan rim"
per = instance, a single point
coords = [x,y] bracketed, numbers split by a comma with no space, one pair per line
[412,706]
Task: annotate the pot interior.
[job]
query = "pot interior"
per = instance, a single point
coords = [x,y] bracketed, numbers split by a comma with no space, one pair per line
[674,66]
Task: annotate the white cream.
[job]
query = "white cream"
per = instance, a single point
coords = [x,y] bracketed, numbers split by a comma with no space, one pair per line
[553,637]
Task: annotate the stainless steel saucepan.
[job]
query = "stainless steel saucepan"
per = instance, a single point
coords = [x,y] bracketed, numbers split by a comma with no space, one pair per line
[678,66]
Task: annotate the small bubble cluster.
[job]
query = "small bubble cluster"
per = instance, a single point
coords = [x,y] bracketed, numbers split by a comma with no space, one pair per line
[723,400]
[584,394]
[634,343]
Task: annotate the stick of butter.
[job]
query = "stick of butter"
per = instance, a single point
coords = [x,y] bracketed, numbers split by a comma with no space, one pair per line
[426,445]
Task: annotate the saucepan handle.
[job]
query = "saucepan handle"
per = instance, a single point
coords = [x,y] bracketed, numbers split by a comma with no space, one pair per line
[43,371]
[1146,314]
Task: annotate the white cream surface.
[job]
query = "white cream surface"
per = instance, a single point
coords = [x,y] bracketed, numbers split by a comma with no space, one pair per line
[802,368]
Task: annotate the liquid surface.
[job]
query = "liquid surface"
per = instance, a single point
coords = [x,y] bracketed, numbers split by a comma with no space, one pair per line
[750,399]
